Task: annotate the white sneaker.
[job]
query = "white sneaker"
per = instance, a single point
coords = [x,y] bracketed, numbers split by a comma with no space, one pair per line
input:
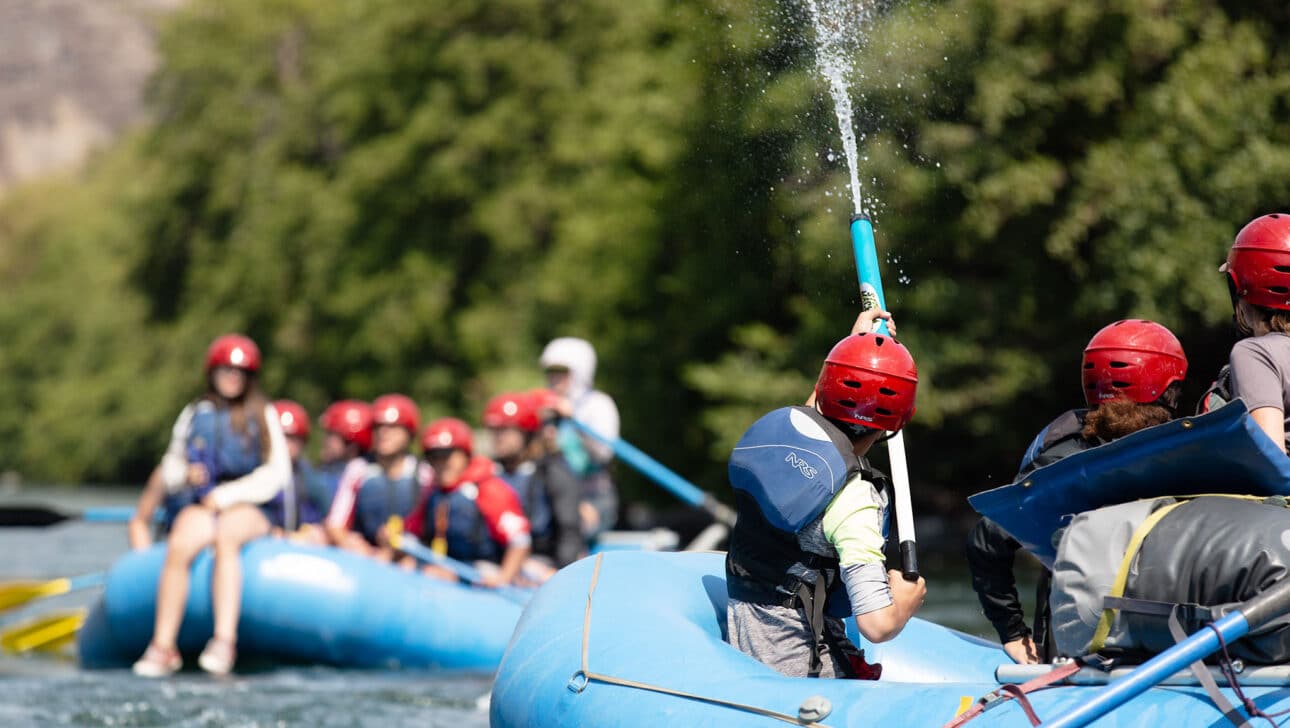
[218,657]
[158,662]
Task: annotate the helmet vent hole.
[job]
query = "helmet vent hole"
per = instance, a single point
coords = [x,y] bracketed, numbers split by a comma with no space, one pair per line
[879,340]
[1088,365]
[888,391]
[1121,385]
[1282,290]
[851,383]
[883,411]
[1275,216]
[1281,268]
[848,403]
[1119,364]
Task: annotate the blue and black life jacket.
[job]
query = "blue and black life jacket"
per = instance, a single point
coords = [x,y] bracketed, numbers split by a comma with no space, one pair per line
[785,470]
[292,506]
[322,482]
[380,497]
[1061,437]
[454,516]
[225,453]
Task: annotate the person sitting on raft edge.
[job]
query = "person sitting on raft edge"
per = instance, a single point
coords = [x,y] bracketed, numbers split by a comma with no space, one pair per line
[227,456]
[1132,372]
[807,547]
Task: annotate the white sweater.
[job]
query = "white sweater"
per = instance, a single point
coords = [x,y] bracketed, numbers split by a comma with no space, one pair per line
[256,487]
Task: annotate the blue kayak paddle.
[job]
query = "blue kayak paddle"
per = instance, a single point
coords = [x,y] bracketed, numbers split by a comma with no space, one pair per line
[664,476]
[400,541]
[871,296]
[35,516]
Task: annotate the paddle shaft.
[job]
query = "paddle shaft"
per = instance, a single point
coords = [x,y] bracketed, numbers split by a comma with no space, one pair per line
[419,551]
[38,516]
[1258,611]
[661,474]
[871,296]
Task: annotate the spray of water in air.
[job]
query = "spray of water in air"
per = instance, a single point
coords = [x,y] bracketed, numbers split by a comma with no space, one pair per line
[837,24]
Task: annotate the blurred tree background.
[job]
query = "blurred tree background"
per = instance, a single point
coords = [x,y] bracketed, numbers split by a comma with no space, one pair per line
[416,196]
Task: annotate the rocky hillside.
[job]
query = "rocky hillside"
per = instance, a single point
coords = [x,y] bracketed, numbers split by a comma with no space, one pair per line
[72,74]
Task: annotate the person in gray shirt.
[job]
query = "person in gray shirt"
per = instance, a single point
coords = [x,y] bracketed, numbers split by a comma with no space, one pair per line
[1258,276]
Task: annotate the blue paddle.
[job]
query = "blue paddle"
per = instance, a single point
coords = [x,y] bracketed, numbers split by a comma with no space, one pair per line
[1252,615]
[36,516]
[866,255]
[399,541]
[661,474]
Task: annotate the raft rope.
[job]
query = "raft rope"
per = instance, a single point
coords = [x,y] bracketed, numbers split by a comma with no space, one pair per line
[584,676]
[1229,672]
[1018,693]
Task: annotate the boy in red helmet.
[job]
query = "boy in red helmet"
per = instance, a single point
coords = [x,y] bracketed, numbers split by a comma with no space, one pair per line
[371,492]
[1258,278]
[469,513]
[530,460]
[347,436]
[1132,374]
[293,507]
[807,548]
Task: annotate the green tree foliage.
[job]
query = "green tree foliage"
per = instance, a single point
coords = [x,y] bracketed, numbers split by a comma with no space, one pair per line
[415,196]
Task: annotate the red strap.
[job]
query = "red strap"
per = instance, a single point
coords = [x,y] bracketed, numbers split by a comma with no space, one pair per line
[1018,692]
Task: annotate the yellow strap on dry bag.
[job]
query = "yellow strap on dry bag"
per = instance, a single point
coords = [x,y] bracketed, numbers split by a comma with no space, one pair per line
[1122,574]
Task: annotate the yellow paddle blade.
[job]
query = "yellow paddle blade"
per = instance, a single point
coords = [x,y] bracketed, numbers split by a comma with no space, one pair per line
[17,593]
[47,632]
[394,531]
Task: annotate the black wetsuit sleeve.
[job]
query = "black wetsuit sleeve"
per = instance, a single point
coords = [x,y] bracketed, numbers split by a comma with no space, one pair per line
[565,492]
[991,553]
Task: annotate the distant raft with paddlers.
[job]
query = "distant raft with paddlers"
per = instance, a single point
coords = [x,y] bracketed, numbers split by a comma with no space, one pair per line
[310,605]
[636,639]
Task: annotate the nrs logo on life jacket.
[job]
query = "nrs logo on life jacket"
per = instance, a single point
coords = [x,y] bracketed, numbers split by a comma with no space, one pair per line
[808,472]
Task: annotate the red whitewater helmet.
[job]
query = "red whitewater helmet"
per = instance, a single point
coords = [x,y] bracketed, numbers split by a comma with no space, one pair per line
[448,432]
[351,419]
[1259,262]
[396,409]
[512,409]
[870,380]
[1135,358]
[233,350]
[294,419]
[544,403]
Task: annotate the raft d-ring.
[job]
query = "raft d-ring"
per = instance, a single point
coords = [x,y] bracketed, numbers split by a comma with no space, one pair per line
[1027,484]
[1186,424]
[578,682]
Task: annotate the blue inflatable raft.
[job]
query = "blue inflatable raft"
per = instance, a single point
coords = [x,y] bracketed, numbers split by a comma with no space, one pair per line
[310,605]
[636,639]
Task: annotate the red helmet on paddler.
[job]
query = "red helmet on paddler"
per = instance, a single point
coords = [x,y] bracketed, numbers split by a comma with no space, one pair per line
[1133,359]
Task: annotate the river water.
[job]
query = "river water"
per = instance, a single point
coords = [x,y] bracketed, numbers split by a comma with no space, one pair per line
[47,690]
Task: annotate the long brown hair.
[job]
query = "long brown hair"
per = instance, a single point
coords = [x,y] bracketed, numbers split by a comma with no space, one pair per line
[1120,417]
[251,401]
[1249,317]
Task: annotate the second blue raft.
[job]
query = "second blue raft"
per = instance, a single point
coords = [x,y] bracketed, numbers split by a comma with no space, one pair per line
[309,605]
[637,639]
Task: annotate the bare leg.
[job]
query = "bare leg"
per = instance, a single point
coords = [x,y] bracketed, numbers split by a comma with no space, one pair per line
[193,531]
[237,525]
